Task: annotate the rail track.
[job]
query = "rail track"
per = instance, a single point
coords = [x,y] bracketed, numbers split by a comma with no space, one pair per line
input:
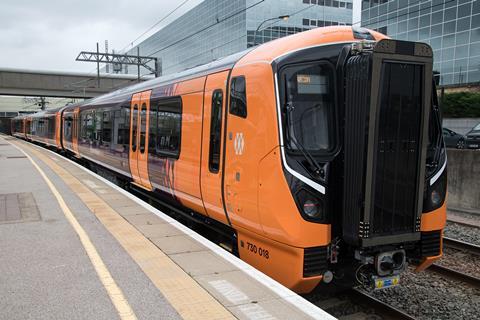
[465,223]
[454,273]
[382,309]
[461,245]
[356,304]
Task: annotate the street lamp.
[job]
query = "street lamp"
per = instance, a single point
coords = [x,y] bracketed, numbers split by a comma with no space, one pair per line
[284,18]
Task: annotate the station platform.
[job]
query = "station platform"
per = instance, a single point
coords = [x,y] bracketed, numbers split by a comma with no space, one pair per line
[75,246]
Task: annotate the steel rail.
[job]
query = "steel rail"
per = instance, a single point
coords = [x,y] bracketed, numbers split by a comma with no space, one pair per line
[384,309]
[463,223]
[455,274]
[461,245]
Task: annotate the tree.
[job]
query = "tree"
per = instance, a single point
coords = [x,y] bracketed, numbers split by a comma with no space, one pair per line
[461,105]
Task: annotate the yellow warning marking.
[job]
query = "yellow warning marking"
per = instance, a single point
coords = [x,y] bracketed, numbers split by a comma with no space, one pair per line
[114,292]
[188,298]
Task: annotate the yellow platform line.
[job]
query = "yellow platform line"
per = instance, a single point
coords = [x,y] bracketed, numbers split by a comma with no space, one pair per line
[188,298]
[114,292]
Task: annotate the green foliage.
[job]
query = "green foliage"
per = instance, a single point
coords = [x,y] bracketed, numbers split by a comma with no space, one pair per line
[461,105]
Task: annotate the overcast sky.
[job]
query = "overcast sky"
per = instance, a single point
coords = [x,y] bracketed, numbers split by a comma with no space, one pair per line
[49,34]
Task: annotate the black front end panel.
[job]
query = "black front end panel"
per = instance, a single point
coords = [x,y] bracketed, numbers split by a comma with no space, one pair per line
[387,104]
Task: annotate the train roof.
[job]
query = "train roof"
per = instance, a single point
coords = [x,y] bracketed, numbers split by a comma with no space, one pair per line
[265,52]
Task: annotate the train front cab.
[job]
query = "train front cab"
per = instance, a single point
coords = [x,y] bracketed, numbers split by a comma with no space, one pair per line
[322,187]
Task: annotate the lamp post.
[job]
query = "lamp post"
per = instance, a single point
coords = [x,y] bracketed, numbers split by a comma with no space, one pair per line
[284,18]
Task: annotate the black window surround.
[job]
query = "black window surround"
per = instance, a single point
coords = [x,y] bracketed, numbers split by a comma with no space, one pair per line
[238,97]
[169,127]
[215,131]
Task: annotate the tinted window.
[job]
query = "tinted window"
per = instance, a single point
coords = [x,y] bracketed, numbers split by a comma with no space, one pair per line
[107,122]
[121,137]
[238,99]
[308,107]
[98,127]
[134,127]
[215,131]
[169,127]
[67,129]
[143,126]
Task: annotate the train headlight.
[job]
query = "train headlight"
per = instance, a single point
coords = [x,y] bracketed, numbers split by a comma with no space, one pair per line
[435,198]
[311,208]
[310,205]
[435,194]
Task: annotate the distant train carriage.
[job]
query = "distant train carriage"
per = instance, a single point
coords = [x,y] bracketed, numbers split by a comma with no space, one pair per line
[318,155]
[18,126]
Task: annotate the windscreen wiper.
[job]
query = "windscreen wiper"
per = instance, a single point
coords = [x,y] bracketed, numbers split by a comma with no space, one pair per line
[310,159]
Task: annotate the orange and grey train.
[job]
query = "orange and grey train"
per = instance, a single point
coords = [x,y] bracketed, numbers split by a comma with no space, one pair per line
[319,155]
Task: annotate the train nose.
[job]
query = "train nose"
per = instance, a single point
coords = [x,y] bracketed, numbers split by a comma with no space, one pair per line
[391,262]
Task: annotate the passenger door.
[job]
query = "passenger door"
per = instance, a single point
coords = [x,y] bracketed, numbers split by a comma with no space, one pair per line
[212,146]
[241,154]
[139,125]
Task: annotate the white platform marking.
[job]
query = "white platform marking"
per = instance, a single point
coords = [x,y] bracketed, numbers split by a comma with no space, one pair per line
[229,291]
[93,185]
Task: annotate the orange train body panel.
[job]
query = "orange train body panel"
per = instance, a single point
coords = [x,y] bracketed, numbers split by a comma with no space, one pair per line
[251,194]
[133,157]
[211,180]
[187,168]
[139,156]
[58,129]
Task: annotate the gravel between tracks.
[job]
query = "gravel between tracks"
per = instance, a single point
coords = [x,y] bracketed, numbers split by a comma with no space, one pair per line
[460,261]
[427,295]
[463,233]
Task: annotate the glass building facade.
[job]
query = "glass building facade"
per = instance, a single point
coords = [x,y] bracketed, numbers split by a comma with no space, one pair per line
[217,28]
[451,27]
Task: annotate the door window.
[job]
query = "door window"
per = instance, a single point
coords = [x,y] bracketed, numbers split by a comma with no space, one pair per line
[134,128]
[143,127]
[215,131]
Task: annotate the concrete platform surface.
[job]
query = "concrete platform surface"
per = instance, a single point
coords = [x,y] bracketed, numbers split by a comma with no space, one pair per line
[75,246]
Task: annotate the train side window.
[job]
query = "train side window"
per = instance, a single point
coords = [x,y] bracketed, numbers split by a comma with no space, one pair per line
[121,124]
[98,114]
[67,130]
[89,126]
[107,127]
[238,97]
[215,131]
[169,128]
[152,130]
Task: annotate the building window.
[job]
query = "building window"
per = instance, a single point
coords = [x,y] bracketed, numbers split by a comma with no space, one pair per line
[238,98]
[349,6]
[306,22]
[306,1]
[215,131]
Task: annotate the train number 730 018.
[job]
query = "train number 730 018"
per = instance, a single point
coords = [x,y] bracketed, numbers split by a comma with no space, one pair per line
[258,250]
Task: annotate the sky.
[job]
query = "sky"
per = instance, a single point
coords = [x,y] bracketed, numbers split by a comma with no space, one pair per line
[49,34]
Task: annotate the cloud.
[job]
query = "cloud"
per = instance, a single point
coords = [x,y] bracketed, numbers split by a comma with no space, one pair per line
[48,34]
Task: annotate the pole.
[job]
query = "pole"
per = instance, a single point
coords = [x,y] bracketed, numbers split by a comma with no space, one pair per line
[42,103]
[98,67]
[107,66]
[138,65]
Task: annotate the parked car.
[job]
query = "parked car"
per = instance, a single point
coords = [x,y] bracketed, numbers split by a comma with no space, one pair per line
[453,139]
[473,138]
